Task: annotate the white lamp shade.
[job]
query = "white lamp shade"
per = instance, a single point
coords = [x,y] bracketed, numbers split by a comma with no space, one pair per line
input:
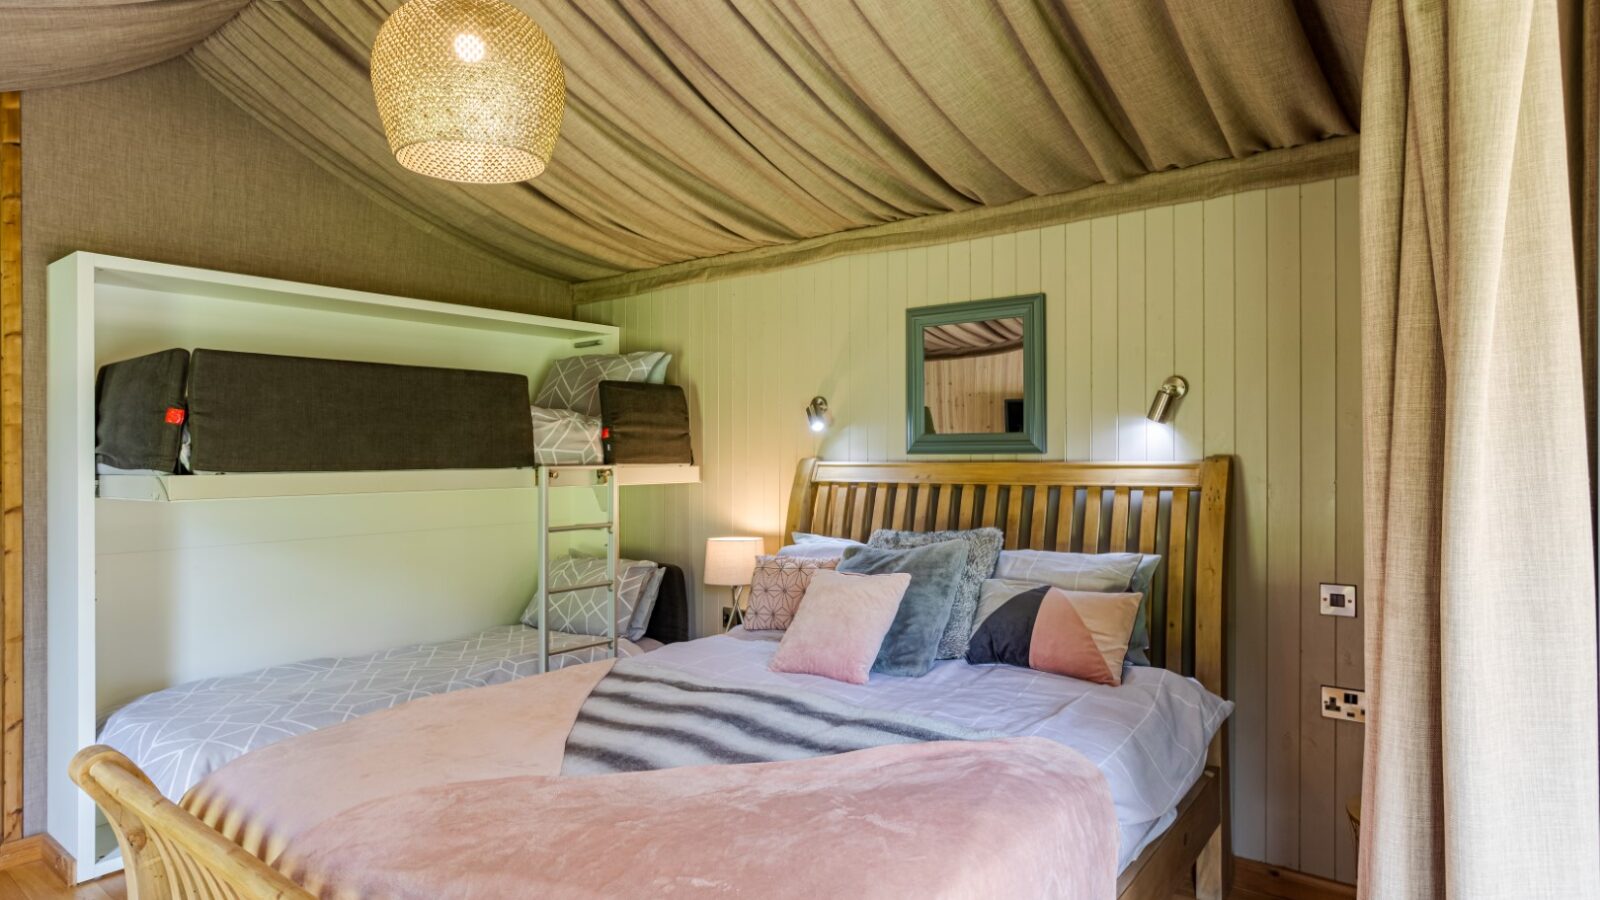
[730,561]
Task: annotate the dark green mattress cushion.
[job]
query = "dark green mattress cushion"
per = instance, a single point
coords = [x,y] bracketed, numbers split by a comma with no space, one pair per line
[139,411]
[644,423]
[252,412]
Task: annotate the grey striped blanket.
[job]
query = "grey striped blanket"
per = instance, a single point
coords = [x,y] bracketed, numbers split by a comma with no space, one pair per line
[642,717]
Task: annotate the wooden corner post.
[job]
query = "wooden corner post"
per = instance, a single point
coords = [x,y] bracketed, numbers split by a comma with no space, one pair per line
[11,671]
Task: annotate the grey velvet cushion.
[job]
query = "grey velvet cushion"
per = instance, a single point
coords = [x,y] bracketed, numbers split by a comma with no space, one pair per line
[139,411]
[985,544]
[1143,583]
[912,643]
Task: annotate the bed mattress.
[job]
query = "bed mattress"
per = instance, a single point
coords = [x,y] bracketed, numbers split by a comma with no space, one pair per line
[1148,737]
[181,734]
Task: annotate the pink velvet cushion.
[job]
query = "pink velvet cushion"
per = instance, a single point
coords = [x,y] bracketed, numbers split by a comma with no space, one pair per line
[841,623]
[777,587]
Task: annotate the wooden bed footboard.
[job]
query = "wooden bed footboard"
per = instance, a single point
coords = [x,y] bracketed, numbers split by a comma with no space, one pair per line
[167,853]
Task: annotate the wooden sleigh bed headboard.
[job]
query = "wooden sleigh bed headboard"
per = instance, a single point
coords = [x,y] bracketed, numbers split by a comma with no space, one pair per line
[1177,510]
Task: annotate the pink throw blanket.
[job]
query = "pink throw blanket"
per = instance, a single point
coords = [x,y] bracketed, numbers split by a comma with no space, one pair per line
[457,796]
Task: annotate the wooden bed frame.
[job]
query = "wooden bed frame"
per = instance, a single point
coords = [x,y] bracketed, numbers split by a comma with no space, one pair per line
[1081,508]
[1178,510]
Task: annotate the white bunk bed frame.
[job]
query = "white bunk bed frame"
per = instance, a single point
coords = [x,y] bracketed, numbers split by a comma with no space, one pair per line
[189,569]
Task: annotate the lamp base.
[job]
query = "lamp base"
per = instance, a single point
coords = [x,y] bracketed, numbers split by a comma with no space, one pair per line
[735,612]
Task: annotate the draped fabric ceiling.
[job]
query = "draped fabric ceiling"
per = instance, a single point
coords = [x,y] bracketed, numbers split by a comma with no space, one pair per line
[710,127]
[984,338]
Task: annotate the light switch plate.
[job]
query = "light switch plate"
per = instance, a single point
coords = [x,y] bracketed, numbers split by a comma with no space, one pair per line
[1345,704]
[1339,600]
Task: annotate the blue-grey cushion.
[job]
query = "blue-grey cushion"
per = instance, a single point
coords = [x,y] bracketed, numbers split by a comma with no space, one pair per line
[912,643]
[1143,583]
[983,554]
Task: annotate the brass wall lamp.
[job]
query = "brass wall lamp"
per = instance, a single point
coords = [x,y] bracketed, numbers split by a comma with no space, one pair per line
[1165,404]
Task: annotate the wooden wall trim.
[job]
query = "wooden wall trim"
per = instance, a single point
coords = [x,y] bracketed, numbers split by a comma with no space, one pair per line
[39,848]
[11,698]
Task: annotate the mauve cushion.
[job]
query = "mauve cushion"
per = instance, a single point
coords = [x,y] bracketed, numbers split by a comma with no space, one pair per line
[912,643]
[837,629]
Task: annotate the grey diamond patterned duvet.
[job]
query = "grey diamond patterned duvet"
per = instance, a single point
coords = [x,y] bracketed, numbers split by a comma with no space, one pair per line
[562,437]
[184,733]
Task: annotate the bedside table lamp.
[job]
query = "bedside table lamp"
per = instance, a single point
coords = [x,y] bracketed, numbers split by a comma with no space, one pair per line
[730,561]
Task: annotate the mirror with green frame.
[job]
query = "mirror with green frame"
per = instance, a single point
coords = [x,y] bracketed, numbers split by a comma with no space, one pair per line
[975,377]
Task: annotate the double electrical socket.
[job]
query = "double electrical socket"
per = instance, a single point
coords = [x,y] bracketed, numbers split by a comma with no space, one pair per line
[1338,599]
[1346,704]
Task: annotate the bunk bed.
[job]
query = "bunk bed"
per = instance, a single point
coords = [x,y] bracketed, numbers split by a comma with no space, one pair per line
[298,534]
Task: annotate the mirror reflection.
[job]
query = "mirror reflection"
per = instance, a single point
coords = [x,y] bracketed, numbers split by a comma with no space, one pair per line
[973,377]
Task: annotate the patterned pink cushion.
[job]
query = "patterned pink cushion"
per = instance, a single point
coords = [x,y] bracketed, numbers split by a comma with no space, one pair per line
[838,629]
[777,587]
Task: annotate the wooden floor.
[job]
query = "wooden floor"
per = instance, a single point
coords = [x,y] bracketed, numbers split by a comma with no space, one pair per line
[35,881]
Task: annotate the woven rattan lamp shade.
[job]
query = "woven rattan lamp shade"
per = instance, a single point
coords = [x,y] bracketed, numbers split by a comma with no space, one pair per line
[468,90]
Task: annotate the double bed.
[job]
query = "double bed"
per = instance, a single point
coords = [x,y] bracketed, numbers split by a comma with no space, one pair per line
[1155,741]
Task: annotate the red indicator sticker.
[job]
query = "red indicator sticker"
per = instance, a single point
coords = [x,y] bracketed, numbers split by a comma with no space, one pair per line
[176,415]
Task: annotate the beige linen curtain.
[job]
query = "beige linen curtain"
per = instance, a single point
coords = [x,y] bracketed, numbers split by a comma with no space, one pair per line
[1481,744]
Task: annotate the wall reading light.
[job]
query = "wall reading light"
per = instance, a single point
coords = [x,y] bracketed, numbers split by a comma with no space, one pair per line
[1165,404]
[817,414]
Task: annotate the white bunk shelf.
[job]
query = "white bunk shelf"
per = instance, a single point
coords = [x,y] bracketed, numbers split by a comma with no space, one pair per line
[229,287]
[261,485]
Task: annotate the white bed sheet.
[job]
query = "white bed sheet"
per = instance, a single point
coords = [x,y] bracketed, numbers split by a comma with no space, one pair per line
[1148,737]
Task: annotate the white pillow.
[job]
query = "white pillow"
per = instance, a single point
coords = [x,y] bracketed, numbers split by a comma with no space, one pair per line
[1100,572]
[818,546]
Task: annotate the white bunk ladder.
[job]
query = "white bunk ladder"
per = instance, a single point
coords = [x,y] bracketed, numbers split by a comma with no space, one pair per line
[546,476]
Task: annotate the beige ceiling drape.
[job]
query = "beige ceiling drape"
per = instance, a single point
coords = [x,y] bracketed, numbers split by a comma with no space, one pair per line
[695,130]
[50,43]
[1480,777]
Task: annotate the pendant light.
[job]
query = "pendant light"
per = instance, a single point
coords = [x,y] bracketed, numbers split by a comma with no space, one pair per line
[468,90]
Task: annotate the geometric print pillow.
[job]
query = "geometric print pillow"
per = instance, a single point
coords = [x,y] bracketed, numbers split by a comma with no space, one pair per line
[584,612]
[574,383]
[1108,572]
[776,589]
[1082,634]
